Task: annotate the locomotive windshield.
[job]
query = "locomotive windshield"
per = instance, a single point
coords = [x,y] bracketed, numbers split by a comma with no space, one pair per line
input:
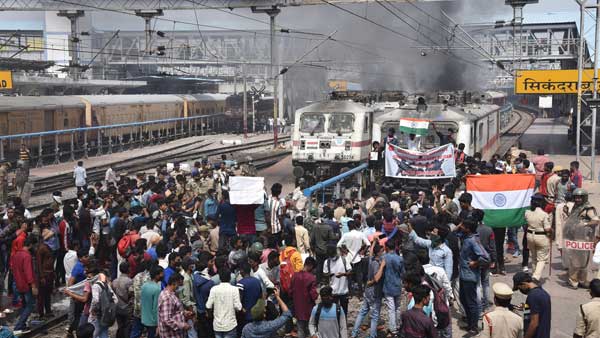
[312,123]
[341,123]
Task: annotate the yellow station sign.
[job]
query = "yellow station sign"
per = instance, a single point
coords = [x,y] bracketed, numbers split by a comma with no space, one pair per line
[6,79]
[552,81]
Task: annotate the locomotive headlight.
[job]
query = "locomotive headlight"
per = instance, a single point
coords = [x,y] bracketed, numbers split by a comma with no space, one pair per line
[302,145]
[348,145]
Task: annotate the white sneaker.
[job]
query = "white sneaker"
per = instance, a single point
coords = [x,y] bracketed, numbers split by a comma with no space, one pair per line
[525,269]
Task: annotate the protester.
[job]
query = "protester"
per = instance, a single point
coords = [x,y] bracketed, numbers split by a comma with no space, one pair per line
[415,323]
[537,309]
[327,319]
[224,301]
[186,261]
[261,328]
[472,258]
[172,318]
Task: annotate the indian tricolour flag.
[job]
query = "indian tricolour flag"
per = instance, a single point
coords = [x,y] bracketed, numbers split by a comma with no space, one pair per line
[414,126]
[503,198]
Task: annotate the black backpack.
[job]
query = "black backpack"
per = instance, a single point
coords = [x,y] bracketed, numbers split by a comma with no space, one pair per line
[440,302]
[338,312]
[107,307]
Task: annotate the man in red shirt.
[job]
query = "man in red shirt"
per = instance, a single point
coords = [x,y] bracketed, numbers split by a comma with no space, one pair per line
[304,295]
[17,243]
[22,269]
[576,176]
[246,226]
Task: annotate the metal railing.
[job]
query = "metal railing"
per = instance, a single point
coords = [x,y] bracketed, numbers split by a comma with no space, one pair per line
[82,142]
[335,180]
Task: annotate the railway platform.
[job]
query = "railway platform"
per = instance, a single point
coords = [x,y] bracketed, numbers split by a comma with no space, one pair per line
[210,141]
[49,178]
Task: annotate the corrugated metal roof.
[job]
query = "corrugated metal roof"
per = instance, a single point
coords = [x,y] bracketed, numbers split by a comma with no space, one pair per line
[211,97]
[131,99]
[15,103]
[495,95]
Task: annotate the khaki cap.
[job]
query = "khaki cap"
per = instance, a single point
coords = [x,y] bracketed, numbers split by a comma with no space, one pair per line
[502,291]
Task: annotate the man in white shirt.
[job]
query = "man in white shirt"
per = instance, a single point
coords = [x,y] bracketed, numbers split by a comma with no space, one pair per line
[338,269]
[413,142]
[224,301]
[257,272]
[70,260]
[353,241]
[110,176]
[80,176]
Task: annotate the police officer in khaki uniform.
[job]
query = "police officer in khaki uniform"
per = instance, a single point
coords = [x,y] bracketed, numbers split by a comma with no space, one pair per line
[581,225]
[248,168]
[501,323]
[4,166]
[539,230]
[588,316]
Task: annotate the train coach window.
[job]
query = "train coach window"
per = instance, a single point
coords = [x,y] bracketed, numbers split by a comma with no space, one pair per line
[341,123]
[312,123]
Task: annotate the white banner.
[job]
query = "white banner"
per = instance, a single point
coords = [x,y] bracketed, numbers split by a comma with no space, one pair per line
[433,164]
[246,190]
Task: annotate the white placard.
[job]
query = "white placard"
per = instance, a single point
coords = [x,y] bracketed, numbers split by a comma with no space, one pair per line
[545,101]
[246,190]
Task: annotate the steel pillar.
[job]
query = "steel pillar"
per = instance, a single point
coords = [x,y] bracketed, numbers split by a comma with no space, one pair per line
[580,66]
[272,12]
[595,95]
[148,15]
[245,106]
[74,66]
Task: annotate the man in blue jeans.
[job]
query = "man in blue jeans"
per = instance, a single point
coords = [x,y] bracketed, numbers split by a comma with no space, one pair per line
[373,295]
[22,269]
[472,259]
[392,271]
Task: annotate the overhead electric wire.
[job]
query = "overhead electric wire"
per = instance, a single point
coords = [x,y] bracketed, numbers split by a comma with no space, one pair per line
[307,53]
[198,25]
[392,30]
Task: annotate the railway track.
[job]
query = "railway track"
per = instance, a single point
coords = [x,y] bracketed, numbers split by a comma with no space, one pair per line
[513,134]
[64,182]
[142,163]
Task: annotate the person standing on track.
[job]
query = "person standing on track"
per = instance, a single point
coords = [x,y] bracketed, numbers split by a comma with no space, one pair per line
[80,176]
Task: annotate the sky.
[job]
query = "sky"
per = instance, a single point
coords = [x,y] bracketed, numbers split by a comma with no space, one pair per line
[478,10]
[400,54]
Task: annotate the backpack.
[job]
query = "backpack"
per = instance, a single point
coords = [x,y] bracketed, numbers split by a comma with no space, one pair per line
[440,302]
[107,307]
[286,272]
[338,312]
[124,246]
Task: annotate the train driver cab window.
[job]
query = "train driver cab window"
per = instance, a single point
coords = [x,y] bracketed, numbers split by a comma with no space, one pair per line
[312,123]
[341,123]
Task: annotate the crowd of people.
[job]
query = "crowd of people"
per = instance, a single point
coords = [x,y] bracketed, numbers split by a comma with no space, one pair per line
[168,255]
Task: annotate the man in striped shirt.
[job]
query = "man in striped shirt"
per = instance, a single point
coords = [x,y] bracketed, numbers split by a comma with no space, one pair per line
[276,211]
